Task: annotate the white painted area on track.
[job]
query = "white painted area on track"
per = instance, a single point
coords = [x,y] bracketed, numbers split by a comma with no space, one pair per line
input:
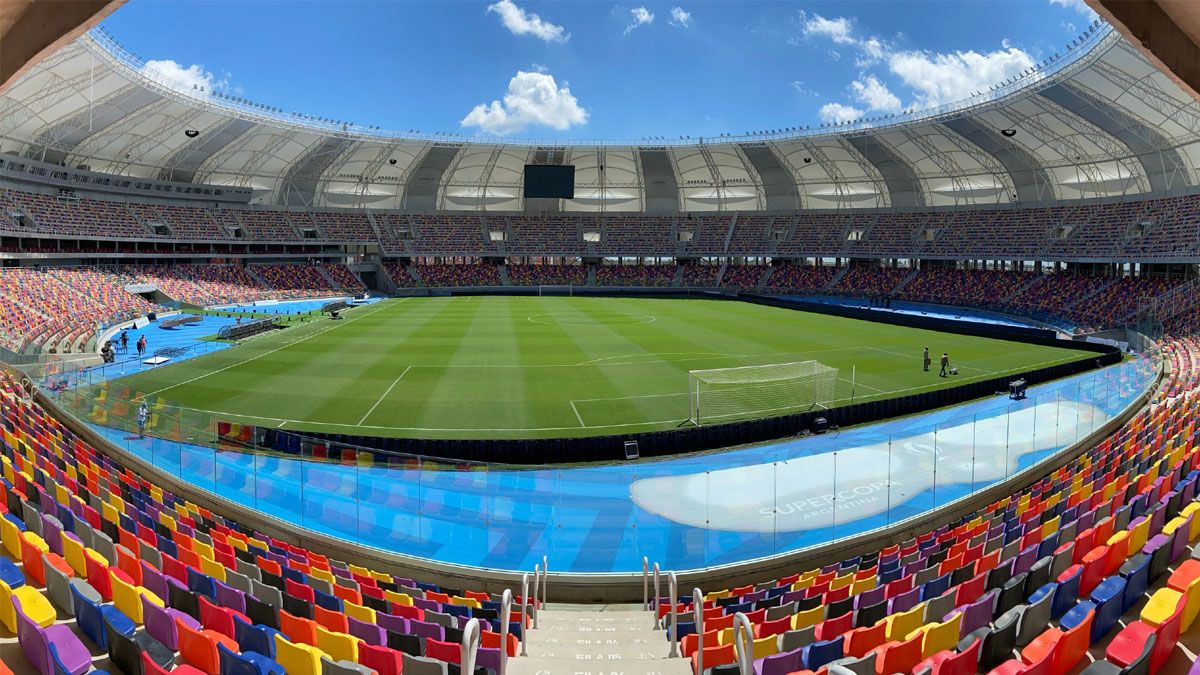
[816,491]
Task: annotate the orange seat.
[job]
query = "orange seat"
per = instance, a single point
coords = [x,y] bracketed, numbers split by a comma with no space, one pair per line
[298,629]
[199,647]
[899,657]
[720,655]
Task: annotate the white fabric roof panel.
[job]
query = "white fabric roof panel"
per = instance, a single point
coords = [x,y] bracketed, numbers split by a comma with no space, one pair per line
[90,105]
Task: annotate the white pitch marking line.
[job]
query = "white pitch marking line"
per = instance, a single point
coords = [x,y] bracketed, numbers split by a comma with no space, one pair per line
[577,415]
[280,425]
[284,346]
[389,390]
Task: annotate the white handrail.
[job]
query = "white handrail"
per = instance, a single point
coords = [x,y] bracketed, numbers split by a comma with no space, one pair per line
[536,575]
[743,643]
[645,582]
[470,645]
[657,595]
[505,616]
[524,609]
[674,636]
[698,618]
[545,580]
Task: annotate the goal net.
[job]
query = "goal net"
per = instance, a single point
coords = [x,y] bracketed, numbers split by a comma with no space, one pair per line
[723,394]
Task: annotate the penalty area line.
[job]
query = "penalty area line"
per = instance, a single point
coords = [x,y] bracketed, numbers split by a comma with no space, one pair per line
[577,415]
[385,393]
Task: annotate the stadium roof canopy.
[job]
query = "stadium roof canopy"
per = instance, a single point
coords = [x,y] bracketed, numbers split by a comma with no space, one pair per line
[1098,120]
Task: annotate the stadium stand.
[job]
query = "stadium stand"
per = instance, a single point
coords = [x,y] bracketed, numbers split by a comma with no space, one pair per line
[745,277]
[294,280]
[202,285]
[60,309]
[800,278]
[660,276]
[95,558]
[547,275]
[473,274]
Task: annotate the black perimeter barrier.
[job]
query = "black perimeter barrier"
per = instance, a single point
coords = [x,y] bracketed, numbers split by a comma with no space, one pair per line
[180,321]
[246,329]
[693,439]
[334,306]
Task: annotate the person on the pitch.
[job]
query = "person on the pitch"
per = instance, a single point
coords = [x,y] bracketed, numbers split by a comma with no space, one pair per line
[945,364]
[926,359]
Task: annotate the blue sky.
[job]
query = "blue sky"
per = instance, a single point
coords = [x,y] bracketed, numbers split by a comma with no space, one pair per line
[580,70]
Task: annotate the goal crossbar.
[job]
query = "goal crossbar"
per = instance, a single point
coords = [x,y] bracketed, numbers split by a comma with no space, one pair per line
[723,394]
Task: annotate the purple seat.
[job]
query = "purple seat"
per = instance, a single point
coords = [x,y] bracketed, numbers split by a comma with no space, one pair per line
[905,601]
[1086,520]
[230,597]
[977,614]
[160,623]
[396,624]
[489,657]
[791,596]
[35,641]
[427,605]
[1025,559]
[427,630]
[52,533]
[370,633]
[1179,541]
[780,664]
[154,581]
[871,597]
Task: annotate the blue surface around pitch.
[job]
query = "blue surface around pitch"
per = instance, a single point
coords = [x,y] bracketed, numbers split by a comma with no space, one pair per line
[687,512]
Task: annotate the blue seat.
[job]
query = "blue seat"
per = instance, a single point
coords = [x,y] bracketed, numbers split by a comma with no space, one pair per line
[1066,593]
[11,574]
[1136,572]
[933,588]
[247,663]
[1108,597]
[456,610]
[202,584]
[327,601]
[515,628]
[1077,615]
[684,628]
[168,547]
[255,638]
[12,518]
[818,654]
[90,615]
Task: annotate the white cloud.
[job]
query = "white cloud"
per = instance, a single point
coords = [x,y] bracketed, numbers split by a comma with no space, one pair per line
[533,98]
[798,85]
[680,17]
[944,78]
[836,112]
[840,30]
[521,22]
[837,29]
[193,79]
[875,94]
[641,16]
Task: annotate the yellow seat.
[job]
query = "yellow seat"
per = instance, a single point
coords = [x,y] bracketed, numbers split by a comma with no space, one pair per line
[398,598]
[1160,607]
[339,646]
[213,569]
[902,624]
[34,604]
[465,602]
[1193,510]
[365,614]
[765,647]
[939,636]
[297,659]
[1138,535]
[810,617]
[128,598]
[73,552]
[11,538]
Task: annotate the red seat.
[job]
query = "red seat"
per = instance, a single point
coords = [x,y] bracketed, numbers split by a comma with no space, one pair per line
[861,641]
[199,647]
[383,660]
[1127,646]
[720,655]
[899,657]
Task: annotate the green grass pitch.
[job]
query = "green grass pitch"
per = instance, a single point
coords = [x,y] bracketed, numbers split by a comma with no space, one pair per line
[528,367]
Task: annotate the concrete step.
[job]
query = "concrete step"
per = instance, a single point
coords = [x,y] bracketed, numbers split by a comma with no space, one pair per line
[591,640]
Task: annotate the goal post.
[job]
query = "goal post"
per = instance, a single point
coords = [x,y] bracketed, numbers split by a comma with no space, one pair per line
[723,394]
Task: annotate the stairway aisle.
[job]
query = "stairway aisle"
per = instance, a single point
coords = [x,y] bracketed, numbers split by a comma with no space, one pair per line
[597,640]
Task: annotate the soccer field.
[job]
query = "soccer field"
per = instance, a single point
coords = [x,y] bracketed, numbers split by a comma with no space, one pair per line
[529,367]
